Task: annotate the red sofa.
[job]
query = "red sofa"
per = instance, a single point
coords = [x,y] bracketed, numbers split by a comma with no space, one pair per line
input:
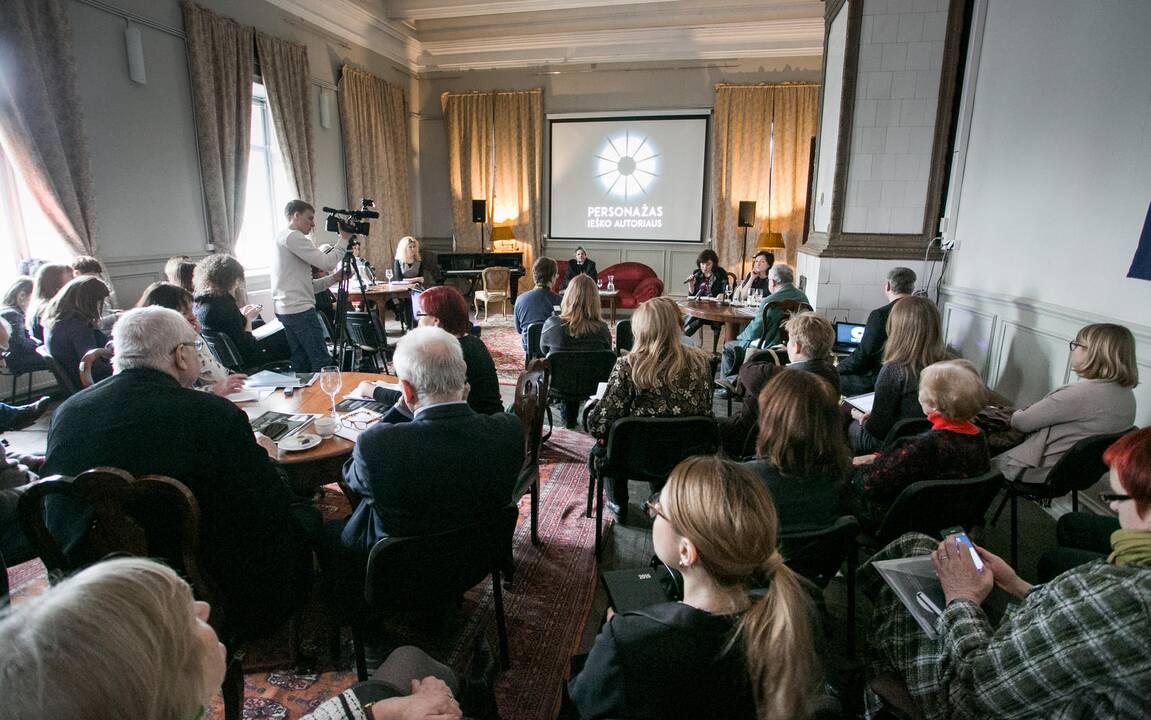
[635,282]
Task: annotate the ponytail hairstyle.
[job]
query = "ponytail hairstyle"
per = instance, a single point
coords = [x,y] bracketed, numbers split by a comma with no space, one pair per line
[727,513]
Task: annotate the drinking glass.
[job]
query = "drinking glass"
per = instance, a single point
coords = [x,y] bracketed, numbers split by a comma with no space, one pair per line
[330,383]
[388,274]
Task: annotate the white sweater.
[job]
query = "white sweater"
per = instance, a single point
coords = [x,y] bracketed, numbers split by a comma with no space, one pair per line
[293,290]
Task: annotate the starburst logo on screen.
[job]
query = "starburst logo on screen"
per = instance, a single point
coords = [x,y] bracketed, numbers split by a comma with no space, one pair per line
[627,165]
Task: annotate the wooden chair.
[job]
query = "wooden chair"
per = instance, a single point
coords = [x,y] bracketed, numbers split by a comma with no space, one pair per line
[91,358]
[530,407]
[496,287]
[151,516]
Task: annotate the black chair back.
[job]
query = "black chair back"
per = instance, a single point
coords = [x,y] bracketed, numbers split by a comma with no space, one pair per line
[224,349]
[929,506]
[1081,467]
[787,307]
[535,332]
[414,297]
[818,554]
[62,378]
[648,449]
[361,331]
[907,427]
[624,340]
[577,373]
[530,407]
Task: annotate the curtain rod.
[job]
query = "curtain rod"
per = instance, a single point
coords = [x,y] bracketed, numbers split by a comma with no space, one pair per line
[768,84]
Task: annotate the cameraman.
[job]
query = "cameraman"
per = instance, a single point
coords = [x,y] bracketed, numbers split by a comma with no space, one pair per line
[293,289]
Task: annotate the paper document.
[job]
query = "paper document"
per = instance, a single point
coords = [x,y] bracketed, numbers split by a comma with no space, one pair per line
[355,422]
[599,391]
[863,402]
[355,394]
[267,329]
[244,396]
[267,379]
[917,587]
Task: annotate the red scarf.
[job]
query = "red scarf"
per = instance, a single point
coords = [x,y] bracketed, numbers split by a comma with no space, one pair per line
[938,422]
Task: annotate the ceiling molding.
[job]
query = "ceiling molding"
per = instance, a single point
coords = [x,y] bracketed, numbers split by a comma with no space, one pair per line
[414,10]
[346,19]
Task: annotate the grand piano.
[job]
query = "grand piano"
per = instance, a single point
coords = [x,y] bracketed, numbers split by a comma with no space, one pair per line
[468,266]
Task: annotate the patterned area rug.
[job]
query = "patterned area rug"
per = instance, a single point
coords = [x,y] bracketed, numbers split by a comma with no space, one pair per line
[546,608]
[499,334]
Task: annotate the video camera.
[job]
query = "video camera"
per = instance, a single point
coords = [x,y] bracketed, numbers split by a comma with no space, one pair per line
[352,220]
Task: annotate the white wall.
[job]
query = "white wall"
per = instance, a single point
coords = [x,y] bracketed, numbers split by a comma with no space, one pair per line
[1056,176]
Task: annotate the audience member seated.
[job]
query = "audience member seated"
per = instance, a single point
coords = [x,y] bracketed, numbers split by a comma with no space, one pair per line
[218,279]
[408,265]
[756,278]
[801,454]
[180,270]
[17,473]
[17,417]
[254,536]
[809,342]
[72,326]
[951,394]
[214,377]
[781,284]
[21,356]
[133,629]
[708,280]
[1103,355]
[857,371]
[914,341]
[580,265]
[579,326]
[445,468]
[1075,647]
[537,304]
[716,654]
[50,278]
[86,265]
[660,377]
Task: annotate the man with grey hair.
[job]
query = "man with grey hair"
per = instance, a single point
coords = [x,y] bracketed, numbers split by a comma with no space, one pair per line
[857,372]
[781,285]
[146,419]
[445,468]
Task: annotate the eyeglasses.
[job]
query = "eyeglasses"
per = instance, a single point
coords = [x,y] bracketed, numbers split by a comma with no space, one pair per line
[1075,344]
[652,509]
[1108,498]
[358,424]
[197,343]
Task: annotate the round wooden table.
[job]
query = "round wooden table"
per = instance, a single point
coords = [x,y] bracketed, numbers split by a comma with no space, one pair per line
[733,318]
[380,291]
[321,464]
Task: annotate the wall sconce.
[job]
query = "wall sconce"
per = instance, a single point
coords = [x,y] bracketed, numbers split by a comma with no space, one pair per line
[504,239]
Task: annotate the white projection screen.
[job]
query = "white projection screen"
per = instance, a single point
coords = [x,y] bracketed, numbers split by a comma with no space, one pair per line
[628,177]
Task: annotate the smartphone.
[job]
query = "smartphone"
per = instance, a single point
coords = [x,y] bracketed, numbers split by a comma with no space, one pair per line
[963,541]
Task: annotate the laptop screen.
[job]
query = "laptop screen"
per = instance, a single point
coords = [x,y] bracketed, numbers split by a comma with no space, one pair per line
[848,333]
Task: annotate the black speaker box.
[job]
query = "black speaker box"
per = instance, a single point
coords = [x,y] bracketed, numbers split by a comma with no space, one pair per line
[746,213]
[480,211]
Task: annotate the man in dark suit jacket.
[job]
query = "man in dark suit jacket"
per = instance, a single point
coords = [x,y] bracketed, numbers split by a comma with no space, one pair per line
[857,371]
[445,468]
[254,535]
[580,265]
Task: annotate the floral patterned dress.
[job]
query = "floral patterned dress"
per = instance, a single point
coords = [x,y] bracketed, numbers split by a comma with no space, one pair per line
[687,395]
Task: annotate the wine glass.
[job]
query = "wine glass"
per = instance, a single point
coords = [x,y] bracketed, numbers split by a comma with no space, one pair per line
[389,274]
[330,383]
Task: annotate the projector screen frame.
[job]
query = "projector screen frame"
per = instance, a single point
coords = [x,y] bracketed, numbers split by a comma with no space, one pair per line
[704,114]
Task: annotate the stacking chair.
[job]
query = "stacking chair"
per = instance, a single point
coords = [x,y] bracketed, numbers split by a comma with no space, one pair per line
[151,516]
[62,378]
[647,448]
[624,340]
[907,427]
[16,380]
[91,358]
[418,573]
[362,335]
[1078,470]
[818,554]
[576,374]
[530,407]
[535,332]
[496,287]
[930,506]
[787,307]
[229,356]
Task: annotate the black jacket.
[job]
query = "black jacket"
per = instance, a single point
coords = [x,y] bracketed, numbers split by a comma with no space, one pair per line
[252,541]
[718,282]
[219,313]
[574,269]
[21,353]
[868,357]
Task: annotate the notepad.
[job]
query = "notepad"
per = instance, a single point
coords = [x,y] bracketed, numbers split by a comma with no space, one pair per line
[862,403]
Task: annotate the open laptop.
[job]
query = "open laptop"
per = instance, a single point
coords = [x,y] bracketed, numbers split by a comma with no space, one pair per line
[848,336]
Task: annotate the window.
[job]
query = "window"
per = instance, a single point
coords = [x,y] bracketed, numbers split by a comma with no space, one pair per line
[268,190]
[28,232]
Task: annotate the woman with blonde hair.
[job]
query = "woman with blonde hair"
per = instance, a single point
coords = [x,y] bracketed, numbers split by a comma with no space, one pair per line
[49,279]
[1103,355]
[408,265]
[717,653]
[72,326]
[914,341]
[660,377]
[579,326]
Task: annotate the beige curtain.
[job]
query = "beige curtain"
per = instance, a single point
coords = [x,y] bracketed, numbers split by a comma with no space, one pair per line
[41,125]
[517,130]
[284,69]
[761,152]
[468,119]
[374,119]
[220,66]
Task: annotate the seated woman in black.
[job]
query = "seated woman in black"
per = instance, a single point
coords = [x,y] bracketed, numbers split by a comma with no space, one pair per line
[217,279]
[951,393]
[21,355]
[716,654]
[801,454]
[579,326]
[49,279]
[72,326]
[580,265]
[710,280]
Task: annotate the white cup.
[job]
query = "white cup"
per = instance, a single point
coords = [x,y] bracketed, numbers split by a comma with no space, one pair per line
[325,426]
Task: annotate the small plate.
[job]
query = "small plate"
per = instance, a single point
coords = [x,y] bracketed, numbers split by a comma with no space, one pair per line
[299,441]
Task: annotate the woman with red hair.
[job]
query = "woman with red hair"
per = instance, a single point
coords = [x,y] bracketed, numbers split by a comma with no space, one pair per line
[444,307]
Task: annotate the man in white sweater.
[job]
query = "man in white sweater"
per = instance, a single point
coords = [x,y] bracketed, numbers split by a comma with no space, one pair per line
[293,289]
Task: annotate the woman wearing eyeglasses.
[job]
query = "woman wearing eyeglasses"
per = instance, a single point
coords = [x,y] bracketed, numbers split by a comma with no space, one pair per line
[718,653]
[1075,647]
[1103,355]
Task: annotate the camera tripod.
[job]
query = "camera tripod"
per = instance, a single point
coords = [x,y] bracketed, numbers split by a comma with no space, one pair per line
[373,337]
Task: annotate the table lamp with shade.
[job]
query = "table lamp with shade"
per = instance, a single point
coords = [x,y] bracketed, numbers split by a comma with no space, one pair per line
[503,239]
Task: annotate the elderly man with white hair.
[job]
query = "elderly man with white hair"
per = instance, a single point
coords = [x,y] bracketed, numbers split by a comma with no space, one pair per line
[146,419]
[443,470]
